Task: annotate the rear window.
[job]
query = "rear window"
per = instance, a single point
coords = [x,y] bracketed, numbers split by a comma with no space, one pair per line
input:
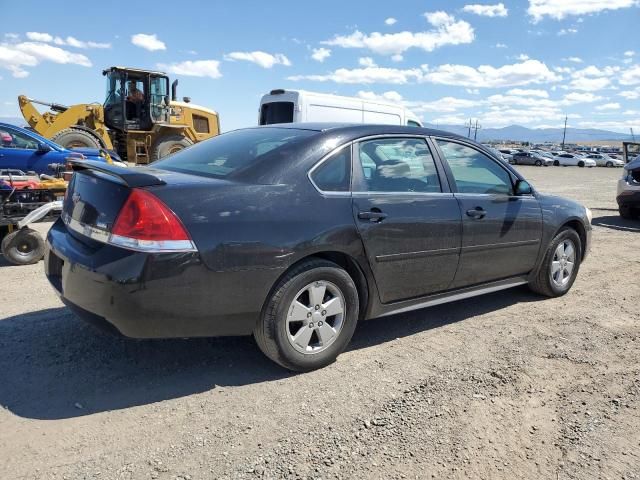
[276,112]
[232,152]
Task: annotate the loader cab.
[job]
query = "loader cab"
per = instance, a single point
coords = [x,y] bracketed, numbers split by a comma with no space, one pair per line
[136,100]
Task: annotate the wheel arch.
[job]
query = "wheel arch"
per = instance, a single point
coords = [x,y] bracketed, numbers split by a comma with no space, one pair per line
[580,229]
[343,260]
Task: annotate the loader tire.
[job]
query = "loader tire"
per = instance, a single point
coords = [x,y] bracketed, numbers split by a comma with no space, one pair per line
[168,145]
[74,138]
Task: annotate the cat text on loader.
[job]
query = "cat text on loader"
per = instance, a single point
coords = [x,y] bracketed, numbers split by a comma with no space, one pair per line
[137,120]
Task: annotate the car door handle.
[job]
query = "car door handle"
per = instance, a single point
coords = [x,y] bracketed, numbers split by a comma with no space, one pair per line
[477,213]
[374,215]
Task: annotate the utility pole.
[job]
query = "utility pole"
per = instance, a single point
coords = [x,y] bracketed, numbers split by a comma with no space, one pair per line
[469,131]
[476,128]
[564,133]
[633,137]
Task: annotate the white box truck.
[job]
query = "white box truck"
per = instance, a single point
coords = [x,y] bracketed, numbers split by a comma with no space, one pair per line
[289,106]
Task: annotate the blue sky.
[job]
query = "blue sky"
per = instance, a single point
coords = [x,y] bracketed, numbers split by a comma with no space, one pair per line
[512,62]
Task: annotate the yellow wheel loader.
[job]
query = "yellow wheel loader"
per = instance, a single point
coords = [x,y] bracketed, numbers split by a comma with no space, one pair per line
[137,119]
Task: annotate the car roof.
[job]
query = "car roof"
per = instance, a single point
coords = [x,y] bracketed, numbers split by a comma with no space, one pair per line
[363,129]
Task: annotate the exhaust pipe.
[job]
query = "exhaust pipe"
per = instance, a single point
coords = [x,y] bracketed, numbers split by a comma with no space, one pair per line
[174,90]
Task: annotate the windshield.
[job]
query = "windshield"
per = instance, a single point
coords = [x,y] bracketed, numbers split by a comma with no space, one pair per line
[226,154]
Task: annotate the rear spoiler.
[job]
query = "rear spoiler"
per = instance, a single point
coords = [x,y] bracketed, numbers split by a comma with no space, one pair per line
[132,177]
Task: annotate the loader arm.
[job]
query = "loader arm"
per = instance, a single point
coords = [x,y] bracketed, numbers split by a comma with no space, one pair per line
[88,117]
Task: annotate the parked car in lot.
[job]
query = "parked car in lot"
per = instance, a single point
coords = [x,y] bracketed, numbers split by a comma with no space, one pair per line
[605,160]
[572,160]
[628,197]
[25,150]
[530,158]
[507,154]
[296,232]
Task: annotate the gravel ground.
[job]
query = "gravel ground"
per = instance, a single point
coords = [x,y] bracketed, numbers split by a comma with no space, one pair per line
[508,385]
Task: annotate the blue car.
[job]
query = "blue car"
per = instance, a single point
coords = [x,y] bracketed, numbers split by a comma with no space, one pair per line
[30,152]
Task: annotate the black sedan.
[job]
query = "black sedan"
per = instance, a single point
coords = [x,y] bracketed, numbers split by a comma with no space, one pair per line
[296,232]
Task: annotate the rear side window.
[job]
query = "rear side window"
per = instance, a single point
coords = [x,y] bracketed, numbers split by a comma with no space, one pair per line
[334,174]
[276,112]
[232,152]
[398,165]
[412,123]
[474,172]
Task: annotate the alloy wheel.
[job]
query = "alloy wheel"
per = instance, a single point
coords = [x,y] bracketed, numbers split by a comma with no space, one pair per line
[315,317]
[563,263]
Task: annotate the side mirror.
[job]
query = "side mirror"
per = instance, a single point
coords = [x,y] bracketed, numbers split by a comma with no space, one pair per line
[523,188]
[43,148]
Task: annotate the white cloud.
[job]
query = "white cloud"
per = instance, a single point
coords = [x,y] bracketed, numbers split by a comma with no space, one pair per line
[397,57]
[629,53]
[622,126]
[587,84]
[320,54]
[574,59]
[579,97]
[632,112]
[631,94]
[39,37]
[365,75]
[69,41]
[497,10]
[630,76]
[528,93]
[608,106]
[567,31]
[500,45]
[522,57]
[390,96]
[390,21]
[447,31]
[366,62]
[559,9]
[264,59]
[472,91]
[198,68]
[592,78]
[148,42]
[487,76]
[15,56]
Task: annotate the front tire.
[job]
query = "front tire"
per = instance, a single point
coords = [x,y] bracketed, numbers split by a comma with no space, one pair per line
[310,317]
[581,164]
[626,212]
[538,163]
[609,164]
[560,265]
[76,138]
[23,247]
[556,163]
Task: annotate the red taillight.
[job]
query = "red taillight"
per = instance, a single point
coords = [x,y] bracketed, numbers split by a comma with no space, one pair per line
[146,223]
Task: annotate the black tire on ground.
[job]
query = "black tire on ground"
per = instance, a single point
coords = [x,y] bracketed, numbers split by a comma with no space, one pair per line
[514,162]
[627,212]
[556,163]
[23,247]
[73,137]
[609,164]
[271,332]
[542,283]
[538,163]
[581,164]
[168,145]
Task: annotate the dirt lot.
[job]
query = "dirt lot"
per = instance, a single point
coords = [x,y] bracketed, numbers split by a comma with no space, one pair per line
[508,385]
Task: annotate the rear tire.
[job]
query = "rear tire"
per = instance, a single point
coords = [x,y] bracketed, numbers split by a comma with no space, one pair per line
[556,163]
[538,163]
[23,247]
[75,138]
[286,340]
[551,282]
[627,212]
[168,145]
[609,164]
[581,164]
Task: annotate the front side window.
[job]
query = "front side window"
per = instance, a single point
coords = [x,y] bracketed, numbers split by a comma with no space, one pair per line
[398,165]
[473,171]
[333,175]
[9,138]
[412,123]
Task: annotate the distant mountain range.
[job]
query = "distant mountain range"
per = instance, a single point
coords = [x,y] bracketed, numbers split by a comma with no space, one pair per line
[537,135]
[512,132]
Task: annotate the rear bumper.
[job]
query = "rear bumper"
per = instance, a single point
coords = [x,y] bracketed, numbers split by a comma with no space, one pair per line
[145,295]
